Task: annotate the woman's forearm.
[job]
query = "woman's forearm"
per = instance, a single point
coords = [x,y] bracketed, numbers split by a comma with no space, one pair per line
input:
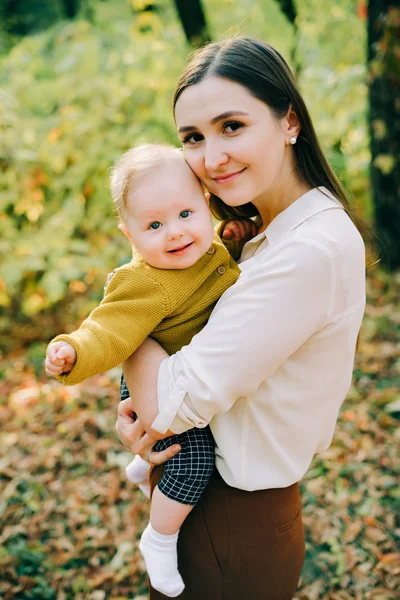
[141,372]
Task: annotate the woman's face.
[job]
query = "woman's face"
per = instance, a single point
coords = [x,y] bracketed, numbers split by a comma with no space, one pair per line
[233,142]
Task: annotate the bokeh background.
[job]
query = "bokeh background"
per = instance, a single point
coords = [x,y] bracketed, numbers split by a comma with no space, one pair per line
[81,81]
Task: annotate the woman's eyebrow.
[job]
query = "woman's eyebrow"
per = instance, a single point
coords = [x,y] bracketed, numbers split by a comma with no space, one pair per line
[227,115]
[214,120]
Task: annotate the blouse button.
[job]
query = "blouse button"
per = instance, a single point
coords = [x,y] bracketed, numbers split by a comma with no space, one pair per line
[211,250]
[221,270]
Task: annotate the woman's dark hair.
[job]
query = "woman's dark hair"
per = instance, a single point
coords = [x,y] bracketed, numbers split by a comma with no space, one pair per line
[264,73]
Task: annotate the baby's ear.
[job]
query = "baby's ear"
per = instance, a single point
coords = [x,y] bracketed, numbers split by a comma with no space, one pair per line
[207,196]
[122,227]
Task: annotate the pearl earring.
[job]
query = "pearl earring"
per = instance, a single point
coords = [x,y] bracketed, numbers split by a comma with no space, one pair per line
[292,140]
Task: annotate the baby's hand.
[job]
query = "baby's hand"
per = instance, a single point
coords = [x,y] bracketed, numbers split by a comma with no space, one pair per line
[60,358]
[240,230]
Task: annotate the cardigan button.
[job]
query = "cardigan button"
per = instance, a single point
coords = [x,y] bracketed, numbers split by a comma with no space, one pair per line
[211,250]
[221,270]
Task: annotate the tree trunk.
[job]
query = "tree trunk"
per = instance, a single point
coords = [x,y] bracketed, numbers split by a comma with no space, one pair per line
[384,123]
[22,17]
[71,8]
[193,21]
[289,10]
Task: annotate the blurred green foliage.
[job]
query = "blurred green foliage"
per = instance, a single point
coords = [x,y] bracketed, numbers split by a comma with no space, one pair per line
[74,97]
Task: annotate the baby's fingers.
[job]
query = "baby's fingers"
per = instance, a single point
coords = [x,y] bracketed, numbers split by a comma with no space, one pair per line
[66,352]
[54,367]
[248,230]
[52,358]
[227,233]
[232,230]
[245,230]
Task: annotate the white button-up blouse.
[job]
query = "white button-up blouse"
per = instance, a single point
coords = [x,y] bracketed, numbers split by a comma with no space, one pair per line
[272,366]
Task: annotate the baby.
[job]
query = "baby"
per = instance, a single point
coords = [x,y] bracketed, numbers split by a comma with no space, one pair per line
[179,270]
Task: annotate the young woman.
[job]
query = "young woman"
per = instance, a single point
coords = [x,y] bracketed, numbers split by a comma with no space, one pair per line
[272,366]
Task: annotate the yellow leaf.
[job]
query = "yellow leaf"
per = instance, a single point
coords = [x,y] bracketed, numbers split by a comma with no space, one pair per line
[385,163]
[54,134]
[139,4]
[78,287]
[379,129]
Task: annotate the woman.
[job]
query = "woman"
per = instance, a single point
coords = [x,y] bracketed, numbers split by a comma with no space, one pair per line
[272,366]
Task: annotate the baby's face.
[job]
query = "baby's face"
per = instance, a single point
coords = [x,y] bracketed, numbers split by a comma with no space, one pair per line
[169,218]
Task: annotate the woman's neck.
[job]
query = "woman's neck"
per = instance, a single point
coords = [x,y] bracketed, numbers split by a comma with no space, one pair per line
[272,204]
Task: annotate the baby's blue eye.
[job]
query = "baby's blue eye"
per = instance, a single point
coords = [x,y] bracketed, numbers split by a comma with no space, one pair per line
[185,214]
[155,225]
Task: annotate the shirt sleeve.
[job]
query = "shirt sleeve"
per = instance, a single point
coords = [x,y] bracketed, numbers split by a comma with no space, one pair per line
[281,298]
[133,305]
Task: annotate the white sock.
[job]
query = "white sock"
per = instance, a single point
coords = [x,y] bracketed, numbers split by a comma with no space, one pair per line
[138,470]
[161,557]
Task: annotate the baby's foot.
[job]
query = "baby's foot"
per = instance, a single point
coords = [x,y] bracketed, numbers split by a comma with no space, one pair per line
[138,470]
[161,557]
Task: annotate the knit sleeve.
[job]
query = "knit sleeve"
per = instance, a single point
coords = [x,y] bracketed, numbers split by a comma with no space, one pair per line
[133,305]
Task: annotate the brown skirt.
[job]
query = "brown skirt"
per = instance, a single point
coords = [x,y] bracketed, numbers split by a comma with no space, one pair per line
[238,545]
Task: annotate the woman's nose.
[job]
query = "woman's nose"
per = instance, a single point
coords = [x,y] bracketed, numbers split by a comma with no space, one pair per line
[214,156]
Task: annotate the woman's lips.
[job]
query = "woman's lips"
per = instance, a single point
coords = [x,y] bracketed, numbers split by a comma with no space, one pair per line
[228,178]
[180,249]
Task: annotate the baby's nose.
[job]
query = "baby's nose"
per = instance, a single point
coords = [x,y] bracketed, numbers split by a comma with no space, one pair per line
[175,232]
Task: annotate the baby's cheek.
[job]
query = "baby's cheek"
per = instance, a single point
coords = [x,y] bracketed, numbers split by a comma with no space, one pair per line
[210,237]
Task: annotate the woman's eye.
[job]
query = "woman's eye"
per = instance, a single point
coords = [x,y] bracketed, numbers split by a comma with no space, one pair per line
[155,225]
[185,214]
[192,138]
[232,126]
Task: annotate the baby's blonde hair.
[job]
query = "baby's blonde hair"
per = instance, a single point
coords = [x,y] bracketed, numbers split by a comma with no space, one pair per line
[134,163]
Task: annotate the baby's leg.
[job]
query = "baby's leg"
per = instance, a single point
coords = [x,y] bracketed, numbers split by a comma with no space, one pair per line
[158,543]
[185,478]
[166,515]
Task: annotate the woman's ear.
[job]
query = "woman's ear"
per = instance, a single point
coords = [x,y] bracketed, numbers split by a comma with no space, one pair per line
[292,124]
[122,227]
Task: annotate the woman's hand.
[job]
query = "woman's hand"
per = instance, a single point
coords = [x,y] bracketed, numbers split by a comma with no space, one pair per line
[132,434]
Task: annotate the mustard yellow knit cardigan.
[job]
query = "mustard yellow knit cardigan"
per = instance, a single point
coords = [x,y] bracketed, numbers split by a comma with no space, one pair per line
[140,300]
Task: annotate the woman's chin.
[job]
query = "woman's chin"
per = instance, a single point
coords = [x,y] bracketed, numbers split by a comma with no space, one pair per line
[234,200]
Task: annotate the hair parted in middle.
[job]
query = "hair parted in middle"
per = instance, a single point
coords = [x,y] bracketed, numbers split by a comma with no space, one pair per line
[134,163]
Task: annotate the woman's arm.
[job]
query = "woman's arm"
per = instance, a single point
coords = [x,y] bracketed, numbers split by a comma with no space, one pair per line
[274,307]
[285,295]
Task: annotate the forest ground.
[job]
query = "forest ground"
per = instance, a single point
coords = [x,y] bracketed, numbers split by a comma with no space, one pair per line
[70,522]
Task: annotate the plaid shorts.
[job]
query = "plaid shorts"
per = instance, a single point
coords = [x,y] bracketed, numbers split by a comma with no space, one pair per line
[187,473]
